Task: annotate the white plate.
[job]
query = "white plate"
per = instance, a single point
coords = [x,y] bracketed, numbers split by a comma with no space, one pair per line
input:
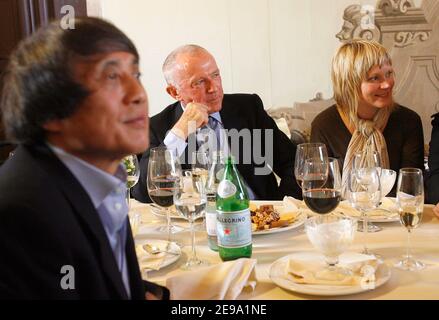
[150,262]
[373,216]
[277,275]
[300,219]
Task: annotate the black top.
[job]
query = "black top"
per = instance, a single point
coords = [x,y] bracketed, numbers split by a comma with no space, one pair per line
[433,162]
[403,134]
[239,111]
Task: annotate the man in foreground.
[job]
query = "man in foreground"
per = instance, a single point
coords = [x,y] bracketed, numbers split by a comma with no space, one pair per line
[74,103]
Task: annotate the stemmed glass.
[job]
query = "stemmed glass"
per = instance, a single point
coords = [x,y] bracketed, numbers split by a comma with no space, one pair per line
[200,168]
[164,172]
[331,235]
[321,186]
[190,201]
[365,194]
[307,151]
[368,160]
[410,203]
[131,164]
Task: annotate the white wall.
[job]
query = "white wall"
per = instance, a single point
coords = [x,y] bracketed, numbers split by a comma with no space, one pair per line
[279,49]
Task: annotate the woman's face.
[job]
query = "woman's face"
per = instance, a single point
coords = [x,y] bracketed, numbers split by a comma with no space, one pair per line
[377,88]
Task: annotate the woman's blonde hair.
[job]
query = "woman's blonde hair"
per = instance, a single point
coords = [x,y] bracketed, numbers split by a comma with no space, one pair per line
[350,66]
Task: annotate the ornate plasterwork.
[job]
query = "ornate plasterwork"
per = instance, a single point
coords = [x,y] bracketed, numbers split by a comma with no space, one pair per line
[395,7]
[406,38]
[399,18]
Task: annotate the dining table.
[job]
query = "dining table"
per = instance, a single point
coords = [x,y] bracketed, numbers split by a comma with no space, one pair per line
[390,244]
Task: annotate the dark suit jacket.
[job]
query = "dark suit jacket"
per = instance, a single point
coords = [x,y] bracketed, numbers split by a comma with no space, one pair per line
[433,163]
[47,221]
[239,111]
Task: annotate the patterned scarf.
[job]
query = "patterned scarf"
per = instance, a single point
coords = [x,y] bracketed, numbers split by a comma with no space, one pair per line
[367,137]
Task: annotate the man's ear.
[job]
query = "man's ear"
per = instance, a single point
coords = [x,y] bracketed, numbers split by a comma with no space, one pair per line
[53,126]
[173,92]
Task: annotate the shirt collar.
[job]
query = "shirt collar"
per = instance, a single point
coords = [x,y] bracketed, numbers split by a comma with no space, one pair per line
[98,183]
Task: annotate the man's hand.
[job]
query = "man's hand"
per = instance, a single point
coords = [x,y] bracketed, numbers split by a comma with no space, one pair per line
[194,116]
[436,210]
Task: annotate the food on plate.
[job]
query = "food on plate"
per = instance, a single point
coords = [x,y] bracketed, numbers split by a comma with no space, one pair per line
[267,217]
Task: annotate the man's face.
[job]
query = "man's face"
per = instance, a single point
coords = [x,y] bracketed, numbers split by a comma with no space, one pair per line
[198,79]
[112,121]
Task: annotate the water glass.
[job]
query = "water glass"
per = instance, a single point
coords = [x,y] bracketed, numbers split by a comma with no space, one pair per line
[331,235]
[190,201]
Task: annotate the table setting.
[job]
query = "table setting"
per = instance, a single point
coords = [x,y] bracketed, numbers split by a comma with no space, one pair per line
[303,249]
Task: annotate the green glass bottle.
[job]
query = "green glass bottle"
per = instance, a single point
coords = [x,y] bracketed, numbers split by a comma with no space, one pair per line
[234,230]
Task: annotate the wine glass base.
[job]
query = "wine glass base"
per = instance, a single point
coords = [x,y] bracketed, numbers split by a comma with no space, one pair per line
[194,263]
[333,274]
[370,253]
[174,229]
[410,265]
[370,227]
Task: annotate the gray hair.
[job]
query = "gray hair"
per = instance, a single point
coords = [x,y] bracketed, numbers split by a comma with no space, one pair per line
[170,63]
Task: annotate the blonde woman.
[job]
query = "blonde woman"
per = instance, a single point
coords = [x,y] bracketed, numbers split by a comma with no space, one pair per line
[365,117]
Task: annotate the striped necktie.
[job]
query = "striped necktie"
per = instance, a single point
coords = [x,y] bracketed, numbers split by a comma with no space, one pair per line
[208,137]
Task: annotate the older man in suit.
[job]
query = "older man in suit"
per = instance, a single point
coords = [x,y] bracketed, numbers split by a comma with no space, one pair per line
[241,125]
[74,103]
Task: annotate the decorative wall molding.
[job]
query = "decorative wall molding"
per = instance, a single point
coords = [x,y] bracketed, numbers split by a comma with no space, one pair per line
[407,38]
[429,63]
[400,19]
[395,7]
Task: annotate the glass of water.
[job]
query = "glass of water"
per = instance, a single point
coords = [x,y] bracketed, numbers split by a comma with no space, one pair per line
[190,201]
[410,204]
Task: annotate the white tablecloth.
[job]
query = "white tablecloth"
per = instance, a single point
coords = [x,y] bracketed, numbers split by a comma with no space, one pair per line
[390,243]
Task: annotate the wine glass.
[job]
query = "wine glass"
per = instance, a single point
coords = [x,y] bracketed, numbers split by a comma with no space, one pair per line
[132,168]
[164,172]
[321,186]
[190,201]
[331,235]
[200,169]
[371,159]
[364,194]
[306,151]
[410,204]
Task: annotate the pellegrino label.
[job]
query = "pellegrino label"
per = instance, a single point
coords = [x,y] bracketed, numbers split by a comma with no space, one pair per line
[234,228]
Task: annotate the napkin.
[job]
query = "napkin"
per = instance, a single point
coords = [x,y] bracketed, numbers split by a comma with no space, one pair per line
[363,269]
[149,261]
[223,281]
[292,205]
[386,204]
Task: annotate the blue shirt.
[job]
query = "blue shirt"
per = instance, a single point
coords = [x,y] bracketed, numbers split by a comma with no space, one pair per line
[107,193]
[178,145]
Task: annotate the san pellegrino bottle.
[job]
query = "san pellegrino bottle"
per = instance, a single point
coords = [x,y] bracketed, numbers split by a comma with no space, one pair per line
[233,215]
[216,172]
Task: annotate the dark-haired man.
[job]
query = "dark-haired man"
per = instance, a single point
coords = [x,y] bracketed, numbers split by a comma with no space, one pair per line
[74,103]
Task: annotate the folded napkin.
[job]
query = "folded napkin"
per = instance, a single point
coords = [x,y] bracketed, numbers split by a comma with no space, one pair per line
[149,261]
[223,281]
[313,271]
[388,206]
